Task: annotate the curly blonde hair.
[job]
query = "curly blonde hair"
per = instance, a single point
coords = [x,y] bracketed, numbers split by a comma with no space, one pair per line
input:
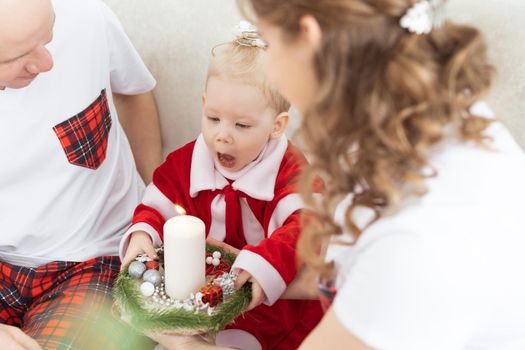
[385,97]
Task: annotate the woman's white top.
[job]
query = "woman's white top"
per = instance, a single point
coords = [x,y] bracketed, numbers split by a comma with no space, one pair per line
[448,270]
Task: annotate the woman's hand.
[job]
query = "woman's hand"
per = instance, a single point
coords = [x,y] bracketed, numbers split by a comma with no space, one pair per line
[13,338]
[139,243]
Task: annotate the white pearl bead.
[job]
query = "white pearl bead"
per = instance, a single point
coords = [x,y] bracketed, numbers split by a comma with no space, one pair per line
[209,259]
[217,254]
[216,262]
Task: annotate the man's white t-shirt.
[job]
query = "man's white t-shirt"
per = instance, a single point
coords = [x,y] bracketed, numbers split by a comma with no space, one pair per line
[68,181]
[448,270]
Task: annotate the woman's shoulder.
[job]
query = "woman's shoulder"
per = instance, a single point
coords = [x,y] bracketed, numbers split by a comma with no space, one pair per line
[472,210]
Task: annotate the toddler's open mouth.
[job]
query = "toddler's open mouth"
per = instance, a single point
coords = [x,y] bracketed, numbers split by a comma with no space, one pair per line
[226,160]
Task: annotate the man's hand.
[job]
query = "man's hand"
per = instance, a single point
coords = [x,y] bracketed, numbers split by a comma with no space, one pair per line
[13,338]
[140,243]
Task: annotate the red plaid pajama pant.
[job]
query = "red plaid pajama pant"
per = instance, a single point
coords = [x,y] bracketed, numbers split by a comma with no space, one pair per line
[66,305]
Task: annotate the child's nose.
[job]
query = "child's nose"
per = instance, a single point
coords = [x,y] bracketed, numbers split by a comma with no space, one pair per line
[224,137]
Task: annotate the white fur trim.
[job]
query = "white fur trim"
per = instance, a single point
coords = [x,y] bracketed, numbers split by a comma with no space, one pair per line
[253,230]
[155,199]
[237,174]
[268,277]
[286,207]
[259,182]
[203,175]
[237,339]
[141,226]
[218,218]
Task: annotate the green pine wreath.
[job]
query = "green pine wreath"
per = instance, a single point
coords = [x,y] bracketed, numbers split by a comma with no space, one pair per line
[130,304]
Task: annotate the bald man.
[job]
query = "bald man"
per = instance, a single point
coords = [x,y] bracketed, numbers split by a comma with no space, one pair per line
[68,177]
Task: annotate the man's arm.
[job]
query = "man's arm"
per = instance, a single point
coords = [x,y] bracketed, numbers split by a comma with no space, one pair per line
[139,117]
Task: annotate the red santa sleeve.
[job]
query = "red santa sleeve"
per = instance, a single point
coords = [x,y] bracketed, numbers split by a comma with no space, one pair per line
[273,261]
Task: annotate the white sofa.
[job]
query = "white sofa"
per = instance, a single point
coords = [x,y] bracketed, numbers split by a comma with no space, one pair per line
[175,36]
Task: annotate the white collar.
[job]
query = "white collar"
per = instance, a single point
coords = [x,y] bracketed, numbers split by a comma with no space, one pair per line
[258,182]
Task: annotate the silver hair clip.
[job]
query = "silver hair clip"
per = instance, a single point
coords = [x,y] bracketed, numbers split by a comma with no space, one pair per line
[247,35]
[424,16]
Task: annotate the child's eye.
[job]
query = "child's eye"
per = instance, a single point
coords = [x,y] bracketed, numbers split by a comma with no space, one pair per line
[243,126]
[213,119]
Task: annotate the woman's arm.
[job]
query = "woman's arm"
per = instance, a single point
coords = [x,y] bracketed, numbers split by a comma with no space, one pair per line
[303,287]
[331,334]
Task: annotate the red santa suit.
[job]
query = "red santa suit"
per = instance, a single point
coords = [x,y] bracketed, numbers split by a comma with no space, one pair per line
[255,209]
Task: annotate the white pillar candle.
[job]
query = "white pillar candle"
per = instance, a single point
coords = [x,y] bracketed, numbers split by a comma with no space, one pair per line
[184,256]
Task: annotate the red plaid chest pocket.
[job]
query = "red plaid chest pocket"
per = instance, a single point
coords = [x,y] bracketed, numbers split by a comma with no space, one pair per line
[84,137]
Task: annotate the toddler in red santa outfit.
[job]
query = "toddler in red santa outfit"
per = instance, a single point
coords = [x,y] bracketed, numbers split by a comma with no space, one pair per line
[239,176]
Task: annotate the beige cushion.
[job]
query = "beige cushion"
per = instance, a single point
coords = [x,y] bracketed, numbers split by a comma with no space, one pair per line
[175,37]
[502,23]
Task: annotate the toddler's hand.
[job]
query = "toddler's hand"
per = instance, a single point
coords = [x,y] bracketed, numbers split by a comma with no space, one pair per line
[258,295]
[139,243]
[224,246]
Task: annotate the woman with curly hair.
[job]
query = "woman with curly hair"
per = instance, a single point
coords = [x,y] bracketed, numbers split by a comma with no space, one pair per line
[419,234]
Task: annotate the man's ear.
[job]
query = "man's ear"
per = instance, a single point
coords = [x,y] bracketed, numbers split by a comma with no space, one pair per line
[279,125]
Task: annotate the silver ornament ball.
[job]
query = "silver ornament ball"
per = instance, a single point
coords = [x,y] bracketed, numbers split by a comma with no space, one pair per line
[136,269]
[152,276]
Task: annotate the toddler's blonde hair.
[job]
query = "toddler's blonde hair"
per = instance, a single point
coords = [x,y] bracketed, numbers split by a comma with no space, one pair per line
[243,63]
